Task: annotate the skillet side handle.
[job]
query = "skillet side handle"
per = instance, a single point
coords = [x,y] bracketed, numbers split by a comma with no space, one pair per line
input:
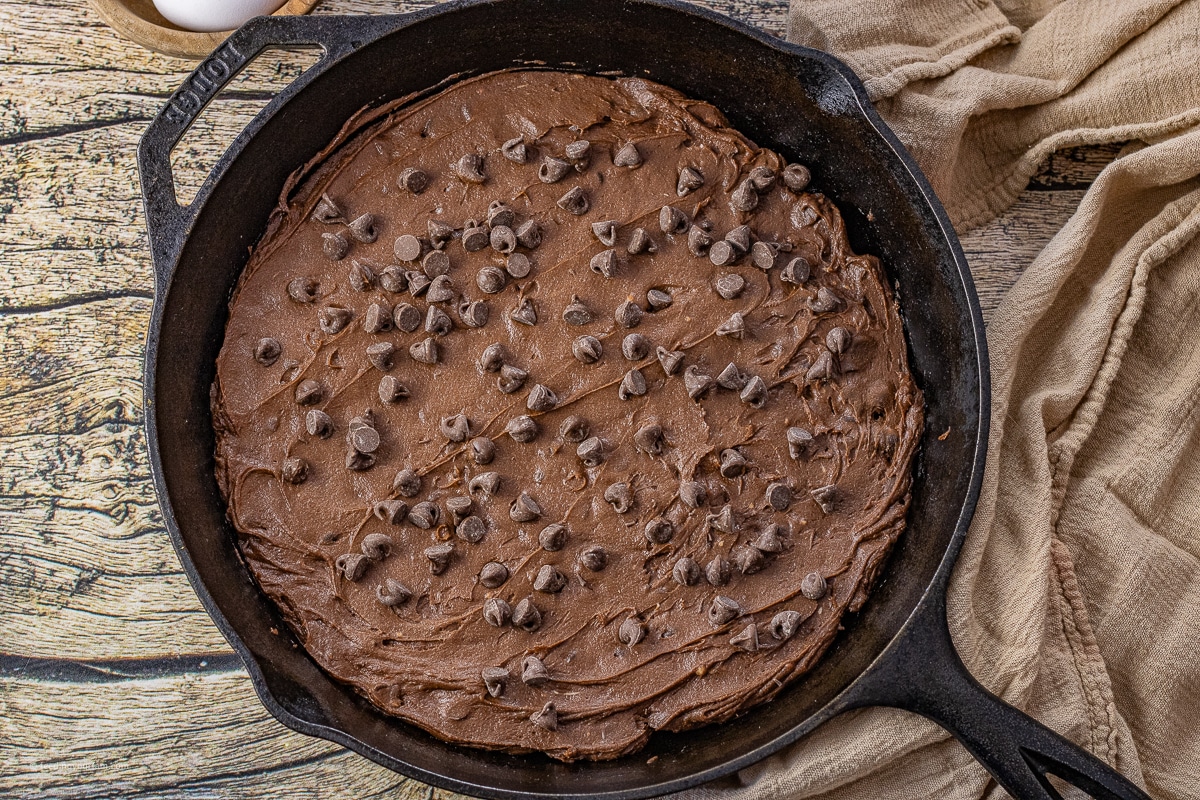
[166,220]
[925,675]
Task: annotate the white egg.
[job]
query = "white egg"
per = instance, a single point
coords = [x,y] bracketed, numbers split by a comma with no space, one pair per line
[214,15]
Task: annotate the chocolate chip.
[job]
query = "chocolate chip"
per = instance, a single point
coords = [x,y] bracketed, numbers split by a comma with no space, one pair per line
[511,378]
[353,566]
[723,609]
[739,239]
[418,282]
[746,639]
[553,170]
[779,496]
[391,390]
[438,322]
[784,624]
[632,385]
[762,178]
[335,246]
[813,586]
[796,177]
[734,327]
[435,264]
[393,512]
[494,680]
[393,279]
[587,349]
[838,340]
[522,429]
[797,271]
[318,424]
[364,439]
[722,254]
[657,299]
[514,150]
[455,428]
[573,429]
[699,240]
[473,314]
[407,482]
[686,572]
[327,211]
[439,557]
[333,318]
[425,351]
[628,156]
[733,463]
[576,313]
[640,242]
[744,197]
[620,497]
[392,593]
[424,515]
[749,560]
[762,255]
[732,378]
[606,232]
[549,580]
[502,239]
[769,540]
[672,220]
[754,393]
[729,286]
[529,235]
[628,314]
[376,546]
[593,558]
[578,151]
[413,180]
[485,484]
[659,530]
[533,671]
[553,537]
[689,181]
[303,289]
[649,439]
[632,631]
[309,392]
[471,530]
[490,279]
[439,232]
[492,358]
[635,347]
[267,351]
[693,494]
[822,369]
[500,215]
[493,575]
[825,496]
[496,612]
[378,318]
[475,238]
[526,616]
[798,441]
[541,398]
[380,355]
[364,228]
[717,573]
[483,450]
[524,509]
[671,360]
[591,451]
[294,470]
[605,263]
[824,302]
[469,169]
[723,521]
[518,265]
[696,382]
[524,313]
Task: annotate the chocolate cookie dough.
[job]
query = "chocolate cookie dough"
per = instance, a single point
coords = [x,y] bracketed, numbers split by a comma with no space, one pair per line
[552,412]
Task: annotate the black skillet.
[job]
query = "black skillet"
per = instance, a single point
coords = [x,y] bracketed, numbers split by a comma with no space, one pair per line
[803,103]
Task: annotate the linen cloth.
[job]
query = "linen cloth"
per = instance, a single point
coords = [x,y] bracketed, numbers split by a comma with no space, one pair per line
[1077,595]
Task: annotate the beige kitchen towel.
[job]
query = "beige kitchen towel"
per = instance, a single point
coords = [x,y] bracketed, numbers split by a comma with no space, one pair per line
[1077,596]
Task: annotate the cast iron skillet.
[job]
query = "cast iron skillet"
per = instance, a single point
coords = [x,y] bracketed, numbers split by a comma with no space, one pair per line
[803,103]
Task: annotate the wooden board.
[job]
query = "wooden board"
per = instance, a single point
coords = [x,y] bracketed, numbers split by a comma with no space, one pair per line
[113,682]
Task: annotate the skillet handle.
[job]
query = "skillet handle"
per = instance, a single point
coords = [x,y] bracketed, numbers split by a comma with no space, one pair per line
[167,221]
[925,675]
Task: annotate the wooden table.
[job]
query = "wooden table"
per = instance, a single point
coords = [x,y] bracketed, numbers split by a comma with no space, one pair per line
[113,681]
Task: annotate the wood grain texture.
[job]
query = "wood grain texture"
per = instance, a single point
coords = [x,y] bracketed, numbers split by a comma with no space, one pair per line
[113,682]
